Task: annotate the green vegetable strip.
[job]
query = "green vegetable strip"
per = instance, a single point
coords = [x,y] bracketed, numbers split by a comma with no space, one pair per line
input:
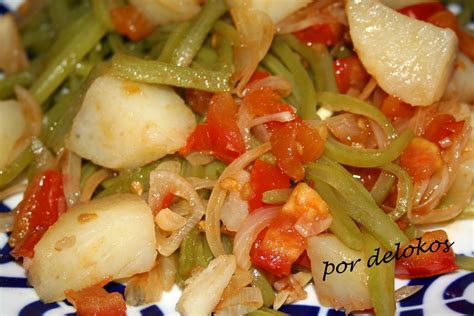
[226,30]
[61,64]
[24,78]
[367,158]
[261,282]
[276,196]
[226,55]
[207,56]
[323,80]
[101,11]
[59,13]
[264,311]
[38,40]
[188,254]
[465,262]
[150,71]
[214,169]
[342,102]
[342,225]
[173,41]
[381,279]
[87,170]
[359,204]
[303,82]
[204,254]
[404,190]
[16,168]
[275,66]
[382,187]
[324,74]
[184,54]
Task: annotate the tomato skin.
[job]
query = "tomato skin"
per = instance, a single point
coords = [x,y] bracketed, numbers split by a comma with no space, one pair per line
[442,129]
[328,34]
[264,177]
[130,22]
[278,247]
[426,263]
[421,159]
[349,73]
[42,204]
[396,109]
[95,301]
[422,11]
[198,100]
[220,133]
[265,101]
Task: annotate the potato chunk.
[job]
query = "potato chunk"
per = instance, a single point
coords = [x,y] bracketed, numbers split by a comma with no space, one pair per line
[161,12]
[12,125]
[113,237]
[410,59]
[276,10]
[123,124]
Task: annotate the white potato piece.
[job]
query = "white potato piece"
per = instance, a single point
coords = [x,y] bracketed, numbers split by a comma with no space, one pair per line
[461,85]
[161,12]
[409,59]
[203,291]
[12,125]
[398,4]
[276,10]
[123,124]
[349,289]
[113,237]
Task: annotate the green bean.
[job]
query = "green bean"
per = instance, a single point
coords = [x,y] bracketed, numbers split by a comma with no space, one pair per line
[11,172]
[207,57]
[382,186]
[188,253]
[276,196]
[465,262]
[275,66]
[214,169]
[264,311]
[324,74]
[115,42]
[187,49]
[367,158]
[37,41]
[204,254]
[101,11]
[87,170]
[303,82]
[150,71]
[225,53]
[381,279]
[411,232]
[63,62]
[173,41]
[226,30]
[468,212]
[342,102]
[404,190]
[261,282]
[190,170]
[59,13]
[359,204]
[342,225]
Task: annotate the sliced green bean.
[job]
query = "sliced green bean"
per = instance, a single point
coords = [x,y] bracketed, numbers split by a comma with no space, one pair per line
[275,66]
[303,82]
[264,311]
[381,279]
[276,196]
[342,102]
[59,13]
[367,158]
[225,53]
[11,172]
[226,30]
[174,40]
[404,190]
[465,262]
[86,171]
[151,71]
[359,203]
[207,57]
[324,74]
[188,253]
[203,254]
[102,13]
[261,282]
[184,54]
[382,186]
[63,62]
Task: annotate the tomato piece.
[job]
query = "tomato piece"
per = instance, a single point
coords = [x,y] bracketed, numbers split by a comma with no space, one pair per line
[328,34]
[421,159]
[446,19]
[198,100]
[396,109]
[303,260]
[265,101]
[293,144]
[220,133]
[259,75]
[431,256]
[422,11]
[130,22]
[349,73]
[442,129]
[264,177]
[278,247]
[95,301]
[42,204]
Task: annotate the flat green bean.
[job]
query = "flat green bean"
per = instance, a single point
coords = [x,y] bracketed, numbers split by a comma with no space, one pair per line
[10,173]
[261,282]
[264,311]
[275,66]
[404,190]
[226,30]
[59,13]
[382,186]
[187,49]
[151,71]
[465,262]
[175,38]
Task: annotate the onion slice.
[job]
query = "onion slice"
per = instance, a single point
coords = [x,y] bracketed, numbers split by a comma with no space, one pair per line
[93,182]
[71,170]
[216,200]
[161,183]
[12,53]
